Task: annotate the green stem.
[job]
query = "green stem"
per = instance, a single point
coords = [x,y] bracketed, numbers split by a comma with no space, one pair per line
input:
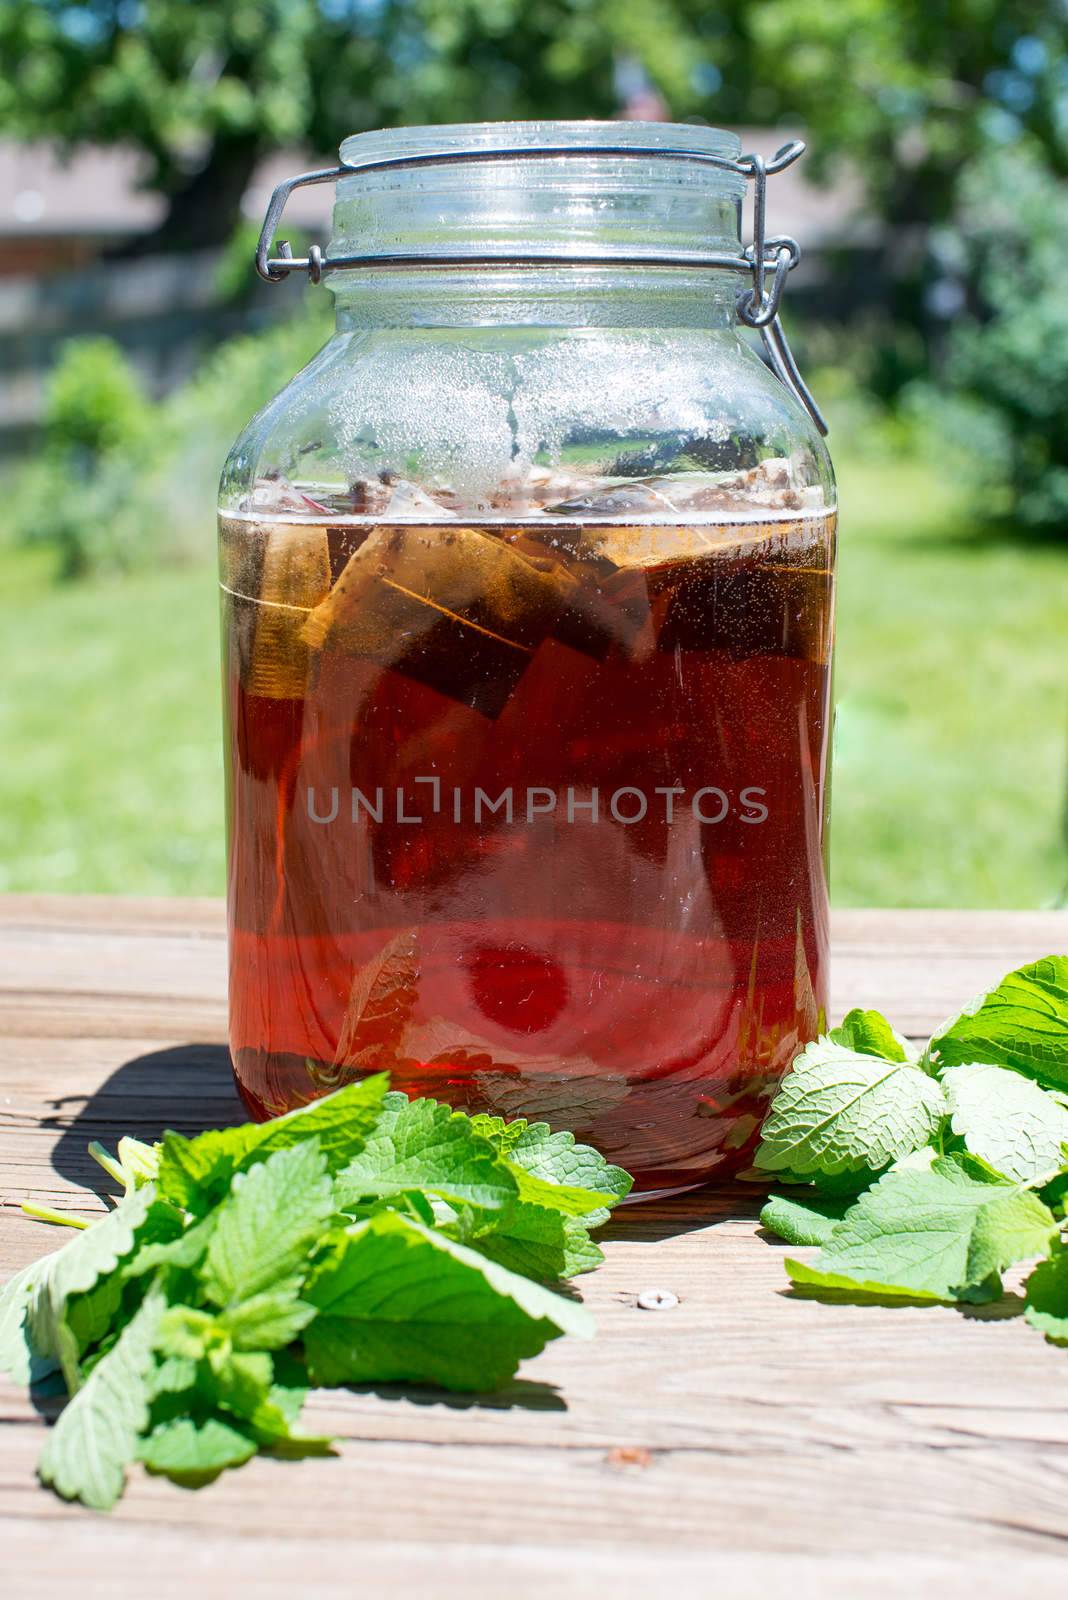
[108,1162]
[63,1219]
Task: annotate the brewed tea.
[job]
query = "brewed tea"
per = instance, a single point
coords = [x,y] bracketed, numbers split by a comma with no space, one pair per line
[530,813]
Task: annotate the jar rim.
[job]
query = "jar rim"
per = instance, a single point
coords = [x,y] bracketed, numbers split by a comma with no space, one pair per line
[684,137]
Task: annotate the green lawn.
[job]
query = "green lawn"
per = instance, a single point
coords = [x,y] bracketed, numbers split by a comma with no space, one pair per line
[952,741]
[951,752]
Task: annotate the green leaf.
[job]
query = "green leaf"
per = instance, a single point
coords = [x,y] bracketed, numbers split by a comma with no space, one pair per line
[1055,1194]
[95,1438]
[187,1333]
[194,1453]
[138,1161]
[185,1251]
[1046,1297]
[19,1356]
[553,1170]
[195,1172]
[240,1382]
[1008,1120]
[400,1302]
[869,1033]
[269,1224]
[341,1122]
[803,1221]
[502,1135]
[243,1384]
[1021,1023]
[839,1111]
[200,1370]
[538,1242]
[78,1268]
[268,1321]
[941,1234]
[420,1144]
[172,1375]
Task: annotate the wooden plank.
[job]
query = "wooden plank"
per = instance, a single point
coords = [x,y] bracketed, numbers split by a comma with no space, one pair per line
[742,1437]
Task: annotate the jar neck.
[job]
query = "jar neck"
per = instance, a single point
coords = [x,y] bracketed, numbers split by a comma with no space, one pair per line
[544,297]
[545,189]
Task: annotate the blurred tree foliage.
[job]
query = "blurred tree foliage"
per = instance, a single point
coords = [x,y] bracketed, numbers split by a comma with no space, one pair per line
[923,97]
[121,481]
[1006,364]
[912,89]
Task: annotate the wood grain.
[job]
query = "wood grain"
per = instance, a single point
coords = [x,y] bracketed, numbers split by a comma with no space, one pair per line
[744,1440]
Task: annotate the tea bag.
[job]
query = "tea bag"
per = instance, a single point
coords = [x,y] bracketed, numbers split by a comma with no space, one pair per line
[613,549]
[523,489]
[601,607]
[295,577]
[766,591]
[640,498]
[454,608]
[275,494]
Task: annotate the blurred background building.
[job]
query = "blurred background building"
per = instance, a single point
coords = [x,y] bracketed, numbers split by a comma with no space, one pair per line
[139,142]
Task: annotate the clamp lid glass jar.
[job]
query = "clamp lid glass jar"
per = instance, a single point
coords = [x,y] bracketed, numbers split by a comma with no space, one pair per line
[527,588]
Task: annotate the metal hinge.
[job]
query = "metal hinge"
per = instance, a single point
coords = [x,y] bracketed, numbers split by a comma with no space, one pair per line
[768,260]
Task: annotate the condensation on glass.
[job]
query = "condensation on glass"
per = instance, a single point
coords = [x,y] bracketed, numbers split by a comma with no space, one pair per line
[527,592]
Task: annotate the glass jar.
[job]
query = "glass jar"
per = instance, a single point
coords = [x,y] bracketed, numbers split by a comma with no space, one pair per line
[527,585]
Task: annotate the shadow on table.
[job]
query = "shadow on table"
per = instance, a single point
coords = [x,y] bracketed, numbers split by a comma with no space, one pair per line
[649,1221]
[522,1394]
[189,1087]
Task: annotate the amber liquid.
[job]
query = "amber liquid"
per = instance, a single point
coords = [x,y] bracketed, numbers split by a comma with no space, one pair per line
[533,817]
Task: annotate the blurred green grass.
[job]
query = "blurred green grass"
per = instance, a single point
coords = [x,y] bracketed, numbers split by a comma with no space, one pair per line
[110,720]
[951,746]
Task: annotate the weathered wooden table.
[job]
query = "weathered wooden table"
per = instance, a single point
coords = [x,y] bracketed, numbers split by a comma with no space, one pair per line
[742,1441]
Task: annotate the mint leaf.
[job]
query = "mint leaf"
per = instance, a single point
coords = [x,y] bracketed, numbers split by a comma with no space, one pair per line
[502,1135]
[1021,1023]
[195,1173]
[538,1242]
[95,1438]
[1055,1194]
[869,1033]
[341,1122]
[186,1250]
[400,1302]
[19,1357]
[553,1170]
[839,1111]
[201,1373]
[75,1270]
[245,1385]
[188,1333]
[194,1453]
[138,1161]
[1046,1297]
[267,1227]
[240,1381]
[268,1321]
[803,1221]
[1007,1120]
[420,1144]
[941,1234]
[254,1284]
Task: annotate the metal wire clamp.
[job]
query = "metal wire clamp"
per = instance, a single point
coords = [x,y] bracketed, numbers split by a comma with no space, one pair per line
[767,261]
